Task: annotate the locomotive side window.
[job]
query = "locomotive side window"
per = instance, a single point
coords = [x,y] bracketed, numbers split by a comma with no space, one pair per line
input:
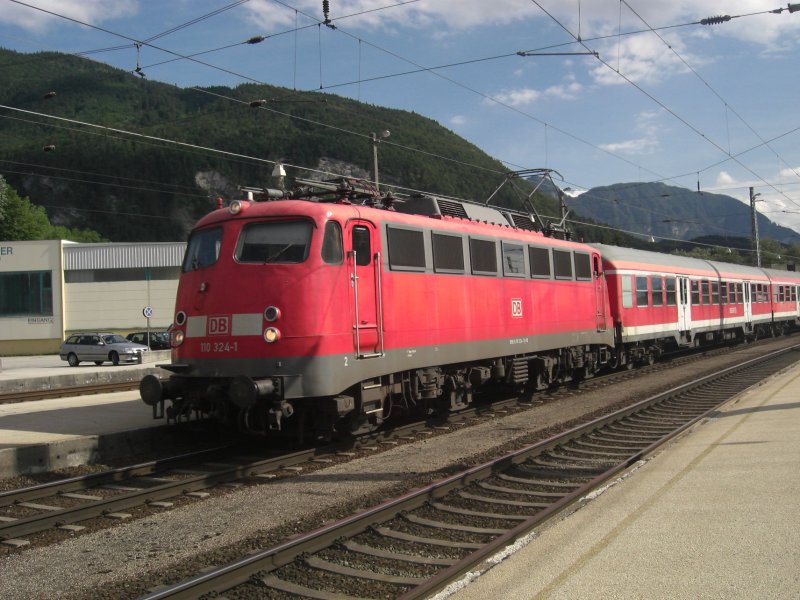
[448,253]
[670,281]
[641,291]
[406,248]
[583,267]
[362,245]
[276,242]
[658,291]
[332,248]
[203,249]
[695,293]
[513,260]
[627,291]
[540,262]
[483,254]
[562,264]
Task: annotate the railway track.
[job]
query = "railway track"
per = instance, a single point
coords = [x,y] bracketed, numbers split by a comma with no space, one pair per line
[67,392]
[414,545]
[64,504]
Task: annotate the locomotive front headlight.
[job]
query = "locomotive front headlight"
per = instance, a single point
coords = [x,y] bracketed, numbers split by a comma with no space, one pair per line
[272,313]
[271,335]
[177,338]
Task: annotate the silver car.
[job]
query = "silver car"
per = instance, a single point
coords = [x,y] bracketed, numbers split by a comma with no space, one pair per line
[99,348]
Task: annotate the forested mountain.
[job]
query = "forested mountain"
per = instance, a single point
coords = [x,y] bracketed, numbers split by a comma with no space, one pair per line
[136,188]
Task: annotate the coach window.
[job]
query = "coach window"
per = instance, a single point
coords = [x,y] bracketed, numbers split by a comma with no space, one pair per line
[670,281]
[540,262]
[641,291]
[627,291]
[723,292]
[706,296]
[695,293]
[740,292]
[583,267]
[658,291]
[332,249]
[794,294]
[448,253]
[513,260]
[406,248]
[715,292]
[483,255]
[362,245]
[562,264]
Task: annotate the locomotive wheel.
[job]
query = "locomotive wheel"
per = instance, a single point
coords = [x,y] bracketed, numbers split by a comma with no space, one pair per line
[114,357]
[73,361]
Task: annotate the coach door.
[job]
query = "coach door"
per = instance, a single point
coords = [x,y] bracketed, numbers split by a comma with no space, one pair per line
[364,263]
[748,306]
[684,305]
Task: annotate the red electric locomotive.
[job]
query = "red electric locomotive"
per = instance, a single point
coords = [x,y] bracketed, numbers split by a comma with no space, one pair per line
[322,313]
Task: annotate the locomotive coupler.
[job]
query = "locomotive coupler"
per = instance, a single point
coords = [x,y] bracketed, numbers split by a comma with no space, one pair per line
[279,410]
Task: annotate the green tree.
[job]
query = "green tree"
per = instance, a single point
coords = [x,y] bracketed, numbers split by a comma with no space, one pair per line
[22,220]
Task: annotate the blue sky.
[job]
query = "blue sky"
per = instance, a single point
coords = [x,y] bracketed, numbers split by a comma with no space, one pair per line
[681,104]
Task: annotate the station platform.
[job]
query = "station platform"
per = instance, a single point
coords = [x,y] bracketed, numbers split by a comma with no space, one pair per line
[713,516]
[44,435]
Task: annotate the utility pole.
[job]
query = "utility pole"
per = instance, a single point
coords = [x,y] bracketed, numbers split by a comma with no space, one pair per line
[375,139]
[754,226]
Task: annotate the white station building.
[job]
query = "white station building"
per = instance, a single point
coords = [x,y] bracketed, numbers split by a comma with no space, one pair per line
[51,288]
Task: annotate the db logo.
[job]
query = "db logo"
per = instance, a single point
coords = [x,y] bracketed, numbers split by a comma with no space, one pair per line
[219,325]
[516,308]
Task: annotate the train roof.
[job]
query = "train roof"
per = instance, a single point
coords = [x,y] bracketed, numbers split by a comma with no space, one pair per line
[632,258]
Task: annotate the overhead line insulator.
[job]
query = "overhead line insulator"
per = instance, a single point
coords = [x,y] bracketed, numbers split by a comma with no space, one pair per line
[715,20]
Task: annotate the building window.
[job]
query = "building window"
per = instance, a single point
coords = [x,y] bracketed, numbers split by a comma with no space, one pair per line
[26,293]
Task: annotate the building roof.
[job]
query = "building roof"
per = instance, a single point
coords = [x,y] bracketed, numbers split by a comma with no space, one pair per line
[86,257]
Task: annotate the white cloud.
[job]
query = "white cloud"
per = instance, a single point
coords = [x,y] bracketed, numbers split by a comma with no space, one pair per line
[87,11]
[525,96]
[646,123]
[458,120]
[724,179]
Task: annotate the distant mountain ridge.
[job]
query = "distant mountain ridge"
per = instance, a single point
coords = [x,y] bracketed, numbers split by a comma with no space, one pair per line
[674,212]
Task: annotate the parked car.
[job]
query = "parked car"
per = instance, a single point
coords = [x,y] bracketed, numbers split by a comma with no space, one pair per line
[99,348]
[159,340]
